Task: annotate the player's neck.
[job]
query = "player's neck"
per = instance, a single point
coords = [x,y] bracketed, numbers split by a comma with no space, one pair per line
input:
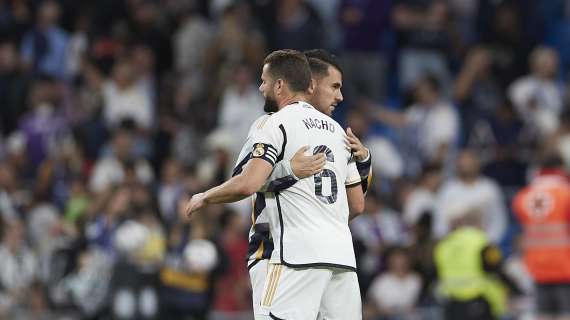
[295,97]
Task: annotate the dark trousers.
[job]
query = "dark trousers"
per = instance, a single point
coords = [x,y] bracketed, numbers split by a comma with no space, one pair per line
[477,309]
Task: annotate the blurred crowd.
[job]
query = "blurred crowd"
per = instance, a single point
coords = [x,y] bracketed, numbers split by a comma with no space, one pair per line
[112,111]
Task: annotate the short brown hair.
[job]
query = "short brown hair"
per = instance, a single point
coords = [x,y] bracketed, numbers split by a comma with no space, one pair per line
[320,60]
[291,66]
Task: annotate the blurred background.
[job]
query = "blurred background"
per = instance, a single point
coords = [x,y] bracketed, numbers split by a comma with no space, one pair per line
[112,110]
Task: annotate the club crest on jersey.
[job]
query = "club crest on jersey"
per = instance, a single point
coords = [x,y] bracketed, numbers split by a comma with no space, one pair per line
[258,150]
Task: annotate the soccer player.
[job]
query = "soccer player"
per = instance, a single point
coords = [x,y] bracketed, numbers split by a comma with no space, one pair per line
[313,258]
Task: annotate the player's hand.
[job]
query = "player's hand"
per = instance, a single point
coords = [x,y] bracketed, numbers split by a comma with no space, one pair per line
[195,204]
[359,151]
[304,166]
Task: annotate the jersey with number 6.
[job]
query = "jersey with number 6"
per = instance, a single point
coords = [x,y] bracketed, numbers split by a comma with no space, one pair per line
[310,227]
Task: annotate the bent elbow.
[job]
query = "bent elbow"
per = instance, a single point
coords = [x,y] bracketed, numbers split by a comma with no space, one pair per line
[246,189]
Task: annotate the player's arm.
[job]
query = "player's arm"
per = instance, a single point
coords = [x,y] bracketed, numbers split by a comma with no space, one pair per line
[287,172]
[269,137]
[237,188]
[354,192]
[355,201]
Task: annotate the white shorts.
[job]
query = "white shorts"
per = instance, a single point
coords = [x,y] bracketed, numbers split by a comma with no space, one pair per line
[257,275]
[310,293]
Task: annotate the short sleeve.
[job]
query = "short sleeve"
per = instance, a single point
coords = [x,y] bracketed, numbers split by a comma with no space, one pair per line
[353,177]
[268,139]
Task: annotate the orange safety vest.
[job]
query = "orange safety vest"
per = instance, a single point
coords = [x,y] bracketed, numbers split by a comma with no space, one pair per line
[543,209]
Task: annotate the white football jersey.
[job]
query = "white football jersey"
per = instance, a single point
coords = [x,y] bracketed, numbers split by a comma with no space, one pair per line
[310,226]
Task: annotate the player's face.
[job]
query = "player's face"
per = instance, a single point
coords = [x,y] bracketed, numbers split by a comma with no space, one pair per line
[328,92]
[266,89]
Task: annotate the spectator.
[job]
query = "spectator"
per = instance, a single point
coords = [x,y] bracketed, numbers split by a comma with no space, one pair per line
[112,170]
[423,198]
[430,125]
[471,187]
[14,84]
[235,302]
[188,272]
[100,231]
[9,209]
[44,49]
[538,97]
[477,92]
[365,26]
[298,26]
[241,105]
[422,28]
[237,41]
[88,114]
[141,244]
[170,190]
[562,138]
[125,97]
[44,125]
[188,56]
[377,229]
[501,28]
[382,302]
[77,47]
[19,269]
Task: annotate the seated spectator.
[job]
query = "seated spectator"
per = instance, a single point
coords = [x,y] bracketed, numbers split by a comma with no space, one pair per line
[18,270]
[382,302]
[186,278]
[124,97]
[376,229]
[423,198]
[111,170]
[43,124]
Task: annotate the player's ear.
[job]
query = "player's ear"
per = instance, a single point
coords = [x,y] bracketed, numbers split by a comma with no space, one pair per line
[312,86]
[279,85]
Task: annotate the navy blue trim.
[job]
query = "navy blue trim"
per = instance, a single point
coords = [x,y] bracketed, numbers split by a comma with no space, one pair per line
[281,184]
[251,265]
[274,317]
[352,185]
[364,167]
[281,224]
[364,185]
[239,167]
[280,156]
[259,205]
[304,265]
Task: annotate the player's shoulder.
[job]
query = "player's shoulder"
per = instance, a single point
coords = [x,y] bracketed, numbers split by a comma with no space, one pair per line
[259,123]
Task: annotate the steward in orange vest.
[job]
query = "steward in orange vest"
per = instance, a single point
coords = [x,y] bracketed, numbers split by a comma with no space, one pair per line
[543,209]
